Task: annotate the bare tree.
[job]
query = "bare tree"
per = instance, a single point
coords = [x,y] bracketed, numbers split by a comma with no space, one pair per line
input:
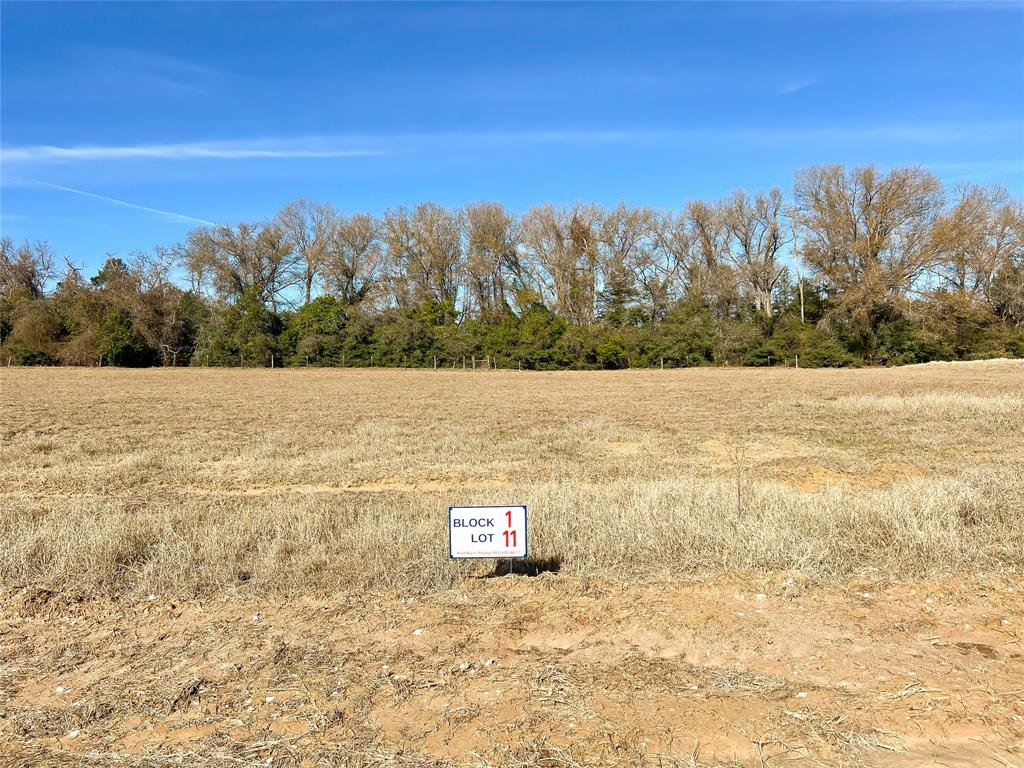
[197,256]
[756,240]
[158,304]
[709,277]
[628,248]
[979,234]
[153,270]
[867,236]
[492,258]
[235,260]
[27,268]
[308,227]
[665,278]
[354,262]
[425,248]
[561,245]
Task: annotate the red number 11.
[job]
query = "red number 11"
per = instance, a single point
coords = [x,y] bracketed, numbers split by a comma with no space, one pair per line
[513,538]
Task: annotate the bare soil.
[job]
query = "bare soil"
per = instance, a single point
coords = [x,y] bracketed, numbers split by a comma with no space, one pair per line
[514,671]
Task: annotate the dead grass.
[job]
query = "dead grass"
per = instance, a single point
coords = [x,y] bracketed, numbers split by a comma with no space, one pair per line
[932,404]
[196,481]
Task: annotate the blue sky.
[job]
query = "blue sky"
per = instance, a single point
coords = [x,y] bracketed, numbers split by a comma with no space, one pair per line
[221,112]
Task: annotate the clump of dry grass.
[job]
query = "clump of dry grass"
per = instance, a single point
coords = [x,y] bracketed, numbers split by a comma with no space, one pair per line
[946,404]
[621,529]
[194,481]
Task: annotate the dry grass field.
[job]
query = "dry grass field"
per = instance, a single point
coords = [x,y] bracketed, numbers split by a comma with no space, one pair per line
[731,567]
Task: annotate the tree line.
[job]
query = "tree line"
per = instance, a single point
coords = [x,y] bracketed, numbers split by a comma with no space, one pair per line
[855,266]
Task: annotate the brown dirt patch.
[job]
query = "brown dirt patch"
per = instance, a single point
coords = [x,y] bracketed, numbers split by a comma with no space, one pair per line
[513,671]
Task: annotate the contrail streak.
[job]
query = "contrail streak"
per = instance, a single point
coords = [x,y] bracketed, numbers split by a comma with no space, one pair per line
[159,212]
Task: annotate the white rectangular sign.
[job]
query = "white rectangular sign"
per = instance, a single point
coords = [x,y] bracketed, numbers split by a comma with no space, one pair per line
[476,532]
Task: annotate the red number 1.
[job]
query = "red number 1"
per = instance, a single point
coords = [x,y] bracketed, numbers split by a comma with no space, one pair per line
[508,516]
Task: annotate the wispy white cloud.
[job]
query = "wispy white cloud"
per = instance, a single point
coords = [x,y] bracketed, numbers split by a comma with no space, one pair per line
[169,215]
[149,69]
[216,150]
[798,85]
[373,145]
[162,62]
